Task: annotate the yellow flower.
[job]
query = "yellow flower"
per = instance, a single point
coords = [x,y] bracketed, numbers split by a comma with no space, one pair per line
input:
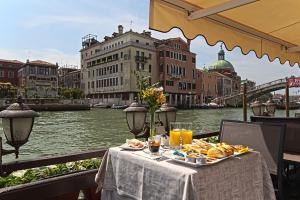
[153,96]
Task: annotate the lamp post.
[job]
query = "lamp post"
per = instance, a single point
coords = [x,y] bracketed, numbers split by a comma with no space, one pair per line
[166,114]
[270,107]
[136,117]
[17,123]
[257,108]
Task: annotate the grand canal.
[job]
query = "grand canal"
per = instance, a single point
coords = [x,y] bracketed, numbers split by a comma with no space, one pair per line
[66,132]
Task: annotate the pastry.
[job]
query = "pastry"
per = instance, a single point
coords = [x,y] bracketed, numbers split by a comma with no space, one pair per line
[229,150]
[216,152]
[240,148]
[134,143]
[203,144]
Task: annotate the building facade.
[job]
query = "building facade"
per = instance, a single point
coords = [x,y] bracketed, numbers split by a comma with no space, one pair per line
[228,82]
[109,68]
[250,84]
[208,90]
[177,71]
[69,78]
[9,71]
[38,79]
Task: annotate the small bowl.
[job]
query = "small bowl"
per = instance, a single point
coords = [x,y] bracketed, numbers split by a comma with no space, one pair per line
[190,159]
[201,160]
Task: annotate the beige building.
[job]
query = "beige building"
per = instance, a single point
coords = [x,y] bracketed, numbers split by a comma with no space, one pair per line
[109,67]
[38,79]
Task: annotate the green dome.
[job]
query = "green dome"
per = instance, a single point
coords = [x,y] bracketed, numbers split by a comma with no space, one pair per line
[222,64]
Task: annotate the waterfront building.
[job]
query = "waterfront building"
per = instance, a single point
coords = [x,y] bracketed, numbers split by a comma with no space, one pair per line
[109,68]
[38,79]
[228,83]
[250,84]
[199,87]
[177,71]
[208,85]
[9,71]
[69,77]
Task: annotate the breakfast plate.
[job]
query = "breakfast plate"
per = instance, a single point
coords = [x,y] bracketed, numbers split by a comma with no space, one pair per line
[127,147]
[205,161]
[133,145]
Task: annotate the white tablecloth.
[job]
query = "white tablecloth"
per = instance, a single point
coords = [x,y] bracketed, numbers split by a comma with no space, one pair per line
[124,175]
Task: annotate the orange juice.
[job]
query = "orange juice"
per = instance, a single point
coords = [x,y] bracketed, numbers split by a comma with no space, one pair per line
[187,136]
[174,137]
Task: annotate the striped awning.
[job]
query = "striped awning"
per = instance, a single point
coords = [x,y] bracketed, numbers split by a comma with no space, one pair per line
[267,27]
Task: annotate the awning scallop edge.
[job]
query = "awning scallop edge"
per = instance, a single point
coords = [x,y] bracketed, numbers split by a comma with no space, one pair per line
[165,16]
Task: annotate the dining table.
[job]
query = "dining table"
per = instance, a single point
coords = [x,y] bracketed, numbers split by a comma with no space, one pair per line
[129,175]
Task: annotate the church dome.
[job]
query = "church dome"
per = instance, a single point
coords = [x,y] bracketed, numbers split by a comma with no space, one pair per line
[221,63]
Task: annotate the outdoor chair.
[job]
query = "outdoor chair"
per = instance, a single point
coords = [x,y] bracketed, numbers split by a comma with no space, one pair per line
[291,147]
[266,138]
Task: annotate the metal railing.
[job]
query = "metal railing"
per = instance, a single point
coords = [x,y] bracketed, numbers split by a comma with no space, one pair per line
[272,83]
[259,87]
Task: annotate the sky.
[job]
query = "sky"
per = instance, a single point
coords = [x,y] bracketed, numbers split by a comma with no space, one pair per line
[52,31]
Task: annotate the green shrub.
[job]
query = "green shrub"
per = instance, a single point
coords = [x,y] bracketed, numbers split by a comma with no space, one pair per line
[35,174]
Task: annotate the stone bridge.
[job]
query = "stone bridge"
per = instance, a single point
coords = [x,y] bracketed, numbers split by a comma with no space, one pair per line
[236,100]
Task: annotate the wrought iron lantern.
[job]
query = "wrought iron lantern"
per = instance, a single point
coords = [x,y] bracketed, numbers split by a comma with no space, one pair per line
[136,117]
[166,114]
[270,107]
[257,108]
[17,123]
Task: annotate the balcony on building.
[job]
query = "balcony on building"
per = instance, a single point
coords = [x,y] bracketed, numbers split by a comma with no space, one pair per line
[142,59]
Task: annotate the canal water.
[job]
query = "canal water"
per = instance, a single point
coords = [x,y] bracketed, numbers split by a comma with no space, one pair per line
[67,132]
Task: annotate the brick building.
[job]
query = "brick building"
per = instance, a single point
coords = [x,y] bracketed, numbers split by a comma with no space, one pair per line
[9,71]
[177,71]
[208,85]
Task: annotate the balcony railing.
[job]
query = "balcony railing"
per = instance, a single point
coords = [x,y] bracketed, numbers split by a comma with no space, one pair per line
[176,76]
[142,59]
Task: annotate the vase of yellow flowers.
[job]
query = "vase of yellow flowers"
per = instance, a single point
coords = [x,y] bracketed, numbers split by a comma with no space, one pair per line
[154,97]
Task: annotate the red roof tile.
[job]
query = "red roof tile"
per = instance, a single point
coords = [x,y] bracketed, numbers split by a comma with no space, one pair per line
[11,61]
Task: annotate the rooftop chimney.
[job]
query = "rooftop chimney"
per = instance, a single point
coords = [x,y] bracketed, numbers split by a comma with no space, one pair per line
[120,29]
[189,43]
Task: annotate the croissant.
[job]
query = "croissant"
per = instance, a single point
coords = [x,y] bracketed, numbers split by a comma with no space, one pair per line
[216,152]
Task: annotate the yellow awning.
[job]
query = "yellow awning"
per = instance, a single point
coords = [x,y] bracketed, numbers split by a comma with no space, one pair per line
[268,27]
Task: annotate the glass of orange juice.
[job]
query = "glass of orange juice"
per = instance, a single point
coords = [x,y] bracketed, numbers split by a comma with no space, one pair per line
[175,134]
[186,133]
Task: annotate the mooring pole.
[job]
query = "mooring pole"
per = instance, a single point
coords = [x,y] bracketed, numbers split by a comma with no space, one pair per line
[287,99]
[245,102]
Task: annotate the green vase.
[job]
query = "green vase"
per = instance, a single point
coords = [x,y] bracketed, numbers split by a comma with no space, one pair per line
[152,123]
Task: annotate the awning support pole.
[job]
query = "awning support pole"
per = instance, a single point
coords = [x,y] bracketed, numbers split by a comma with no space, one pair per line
[245,102]
[287,99]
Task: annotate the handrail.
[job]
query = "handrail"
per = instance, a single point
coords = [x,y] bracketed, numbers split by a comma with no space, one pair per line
[259,87]
[206,135]
[50,160]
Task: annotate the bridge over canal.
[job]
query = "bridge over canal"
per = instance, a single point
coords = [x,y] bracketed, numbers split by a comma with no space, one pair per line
[236,100]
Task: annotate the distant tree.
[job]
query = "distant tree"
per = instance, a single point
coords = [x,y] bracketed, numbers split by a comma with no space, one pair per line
[70,93]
